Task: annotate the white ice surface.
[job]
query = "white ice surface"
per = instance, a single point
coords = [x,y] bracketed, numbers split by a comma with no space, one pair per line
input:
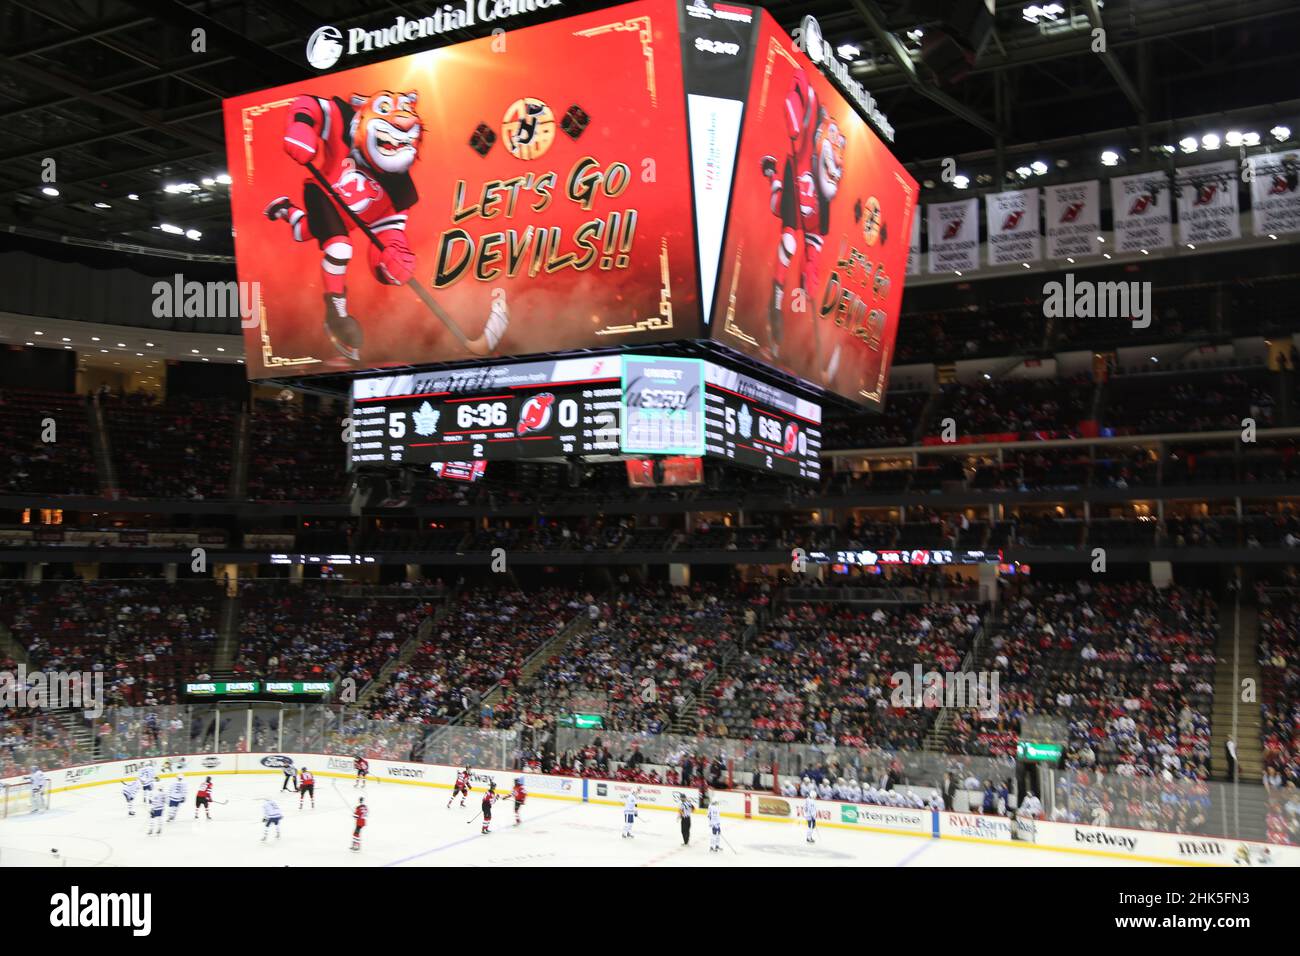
[412,826]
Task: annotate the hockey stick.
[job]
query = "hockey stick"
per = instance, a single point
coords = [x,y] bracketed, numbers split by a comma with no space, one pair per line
[478,346]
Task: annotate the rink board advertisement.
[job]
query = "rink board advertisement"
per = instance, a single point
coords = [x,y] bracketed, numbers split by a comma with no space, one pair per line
[736,804]
[535,184]
[815,255]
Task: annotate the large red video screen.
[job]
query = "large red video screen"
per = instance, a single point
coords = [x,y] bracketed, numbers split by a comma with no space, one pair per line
[521,193]
[812,267]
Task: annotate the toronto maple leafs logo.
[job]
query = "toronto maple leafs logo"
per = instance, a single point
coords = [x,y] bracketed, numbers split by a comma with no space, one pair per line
[426,419]
[746,422]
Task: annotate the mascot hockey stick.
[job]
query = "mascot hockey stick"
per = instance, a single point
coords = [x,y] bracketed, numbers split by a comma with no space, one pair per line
[496,325]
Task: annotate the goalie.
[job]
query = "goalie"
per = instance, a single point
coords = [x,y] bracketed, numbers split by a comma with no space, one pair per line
[40,790]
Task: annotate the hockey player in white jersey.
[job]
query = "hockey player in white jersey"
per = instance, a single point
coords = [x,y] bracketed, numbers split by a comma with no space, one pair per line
[175,797]
[629,814]
[146,776]
[807,788]
[130,790]
[810,814]
[715,827]
[40,790]
[825,790]
[271,816]
[157,801]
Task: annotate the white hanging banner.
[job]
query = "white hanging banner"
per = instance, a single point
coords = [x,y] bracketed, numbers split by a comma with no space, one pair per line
[1142,212]
[1275,193]
[914,247]
[954,235]
[1073,217]
[1208,210]
[1013,230]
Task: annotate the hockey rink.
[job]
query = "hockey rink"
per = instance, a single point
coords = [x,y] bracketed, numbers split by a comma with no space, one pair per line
[412,826]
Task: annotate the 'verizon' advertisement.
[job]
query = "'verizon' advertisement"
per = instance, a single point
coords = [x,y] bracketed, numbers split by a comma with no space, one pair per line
[815,253]
[520,193]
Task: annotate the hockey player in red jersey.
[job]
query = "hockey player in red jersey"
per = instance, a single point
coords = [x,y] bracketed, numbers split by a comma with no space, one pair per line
[489,798]
[359,817]
[362,766]
[519,794]
[365,147]
[462,787]
[803,186]
[306,787]
[203,799]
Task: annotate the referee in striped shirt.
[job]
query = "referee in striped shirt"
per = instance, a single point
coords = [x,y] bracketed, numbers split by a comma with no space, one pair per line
[685,809]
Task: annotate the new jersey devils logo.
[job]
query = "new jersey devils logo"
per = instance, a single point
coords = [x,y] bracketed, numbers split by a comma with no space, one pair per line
[1071,212]
[1205,194]
[791,438]
[951,230]
[1012,220]
[356,188]
[536,414]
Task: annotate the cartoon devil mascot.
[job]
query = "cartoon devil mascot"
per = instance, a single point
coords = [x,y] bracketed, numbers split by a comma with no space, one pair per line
[802,191]
[360,153]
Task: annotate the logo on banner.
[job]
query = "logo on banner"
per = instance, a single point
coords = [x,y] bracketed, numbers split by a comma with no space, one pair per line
[1149,198]
[1012,220]
[528,128]
[872,221]
[536,414]
[1071,211]
[1287,178]
[953,228]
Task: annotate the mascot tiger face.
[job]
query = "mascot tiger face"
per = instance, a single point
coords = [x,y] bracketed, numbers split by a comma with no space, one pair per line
[829,148]
[386,129]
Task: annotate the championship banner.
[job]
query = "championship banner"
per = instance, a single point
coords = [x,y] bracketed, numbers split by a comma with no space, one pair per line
[1275,193]
[1142,212]
[815,255]
[954,236]
[516,194]
[914,246]
[1013,227]
[1208,210]
[1073,217]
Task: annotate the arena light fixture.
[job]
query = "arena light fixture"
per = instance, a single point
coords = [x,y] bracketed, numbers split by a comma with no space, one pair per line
[223,178]
[1281,133]
[1109,158]
[1210,140]
[38,333]
[102,205]
[1024,172]
[134,197]
[1250,139]
[193,234]
[1232,138]
[168,228]
[1189,144]
[49,191]
[1070,259]
[961,182]
[1039,167]
[848,51]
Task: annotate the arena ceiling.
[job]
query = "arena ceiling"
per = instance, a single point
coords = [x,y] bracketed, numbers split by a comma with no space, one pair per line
[113,92]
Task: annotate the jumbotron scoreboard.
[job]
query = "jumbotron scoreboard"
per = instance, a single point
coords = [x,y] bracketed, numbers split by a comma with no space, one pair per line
[598,408]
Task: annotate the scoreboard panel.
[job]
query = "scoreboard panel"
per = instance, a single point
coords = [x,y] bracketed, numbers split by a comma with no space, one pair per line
[487,413]
[757,425]
[613,405]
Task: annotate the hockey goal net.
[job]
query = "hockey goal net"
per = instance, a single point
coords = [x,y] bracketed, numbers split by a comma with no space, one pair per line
[16,798]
